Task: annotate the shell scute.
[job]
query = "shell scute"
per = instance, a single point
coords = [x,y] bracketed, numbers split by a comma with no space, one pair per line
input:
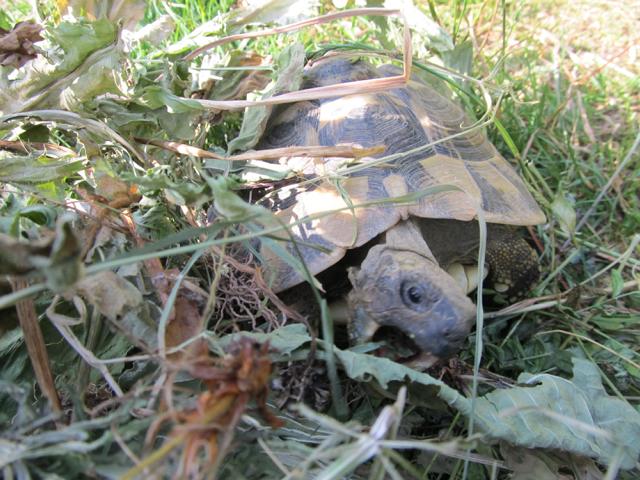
[412,122]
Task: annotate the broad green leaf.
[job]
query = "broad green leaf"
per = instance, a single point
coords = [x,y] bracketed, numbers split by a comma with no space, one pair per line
[98,78]
[288,77]
[179,193]
[75,50]
[435,36]
[238,77]
[285,340]
[155,96]
[228,204]
[460,58]
[80,39]
[572,415]
[35,169]
[14,211]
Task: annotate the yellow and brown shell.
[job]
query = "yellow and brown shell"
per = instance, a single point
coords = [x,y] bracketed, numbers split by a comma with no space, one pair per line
[427,143]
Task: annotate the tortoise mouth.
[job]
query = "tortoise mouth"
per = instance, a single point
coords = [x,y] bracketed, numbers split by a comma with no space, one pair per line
[399,347]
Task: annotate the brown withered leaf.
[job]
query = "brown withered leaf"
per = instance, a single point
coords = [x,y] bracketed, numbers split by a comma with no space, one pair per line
[186,323]
[111,294]
[233,382]
[17,256]
[16,45]
[119,194]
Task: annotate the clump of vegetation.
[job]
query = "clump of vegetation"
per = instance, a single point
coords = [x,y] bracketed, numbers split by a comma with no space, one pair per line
[138,335]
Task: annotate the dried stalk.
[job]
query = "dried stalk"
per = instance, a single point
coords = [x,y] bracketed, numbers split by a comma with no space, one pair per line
[345,151]
[380,12]
[36,347]
[348,88]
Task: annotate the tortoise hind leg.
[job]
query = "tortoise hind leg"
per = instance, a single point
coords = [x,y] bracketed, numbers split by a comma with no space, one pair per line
[513,263]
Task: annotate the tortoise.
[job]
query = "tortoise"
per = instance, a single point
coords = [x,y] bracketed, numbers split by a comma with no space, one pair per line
[407,256]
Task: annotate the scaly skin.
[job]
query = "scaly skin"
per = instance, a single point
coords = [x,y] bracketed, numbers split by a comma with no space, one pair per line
[399,284]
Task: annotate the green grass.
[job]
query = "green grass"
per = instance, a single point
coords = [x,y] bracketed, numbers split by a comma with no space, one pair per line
[568,83]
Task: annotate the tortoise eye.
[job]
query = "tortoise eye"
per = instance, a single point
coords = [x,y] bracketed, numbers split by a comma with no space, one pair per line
[413,294]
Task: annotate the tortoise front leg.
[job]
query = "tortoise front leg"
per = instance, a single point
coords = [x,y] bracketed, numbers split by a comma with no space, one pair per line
[513,265]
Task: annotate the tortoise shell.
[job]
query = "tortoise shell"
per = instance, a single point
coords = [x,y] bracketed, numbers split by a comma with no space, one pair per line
[424,135]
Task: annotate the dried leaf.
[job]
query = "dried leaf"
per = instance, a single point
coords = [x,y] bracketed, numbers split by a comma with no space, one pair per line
[118,193]
[55,257]
[17,256]
[64,266]
[111,294]
[77,50]
[187,323]
[16,46]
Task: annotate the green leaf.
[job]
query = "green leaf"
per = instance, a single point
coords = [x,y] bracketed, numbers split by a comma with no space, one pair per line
[240,76]
[79,39]
[285,340]
[156,96]
[228,204]
[564,213]
[98,78]
[617,283]
[77,50]
[35,169]
[555,413]
[432,34]
[288,78]
[614,322]
[178,192]
[460,58]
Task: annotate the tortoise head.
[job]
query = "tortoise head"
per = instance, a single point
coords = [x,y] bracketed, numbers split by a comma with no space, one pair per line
[409,292]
